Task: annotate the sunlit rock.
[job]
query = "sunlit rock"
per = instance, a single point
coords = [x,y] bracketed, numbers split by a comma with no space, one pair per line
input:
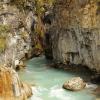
[19,64]
[11,88]
[17,39]
[75,84]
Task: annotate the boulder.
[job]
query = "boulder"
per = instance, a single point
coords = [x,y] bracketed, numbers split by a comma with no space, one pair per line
[11,88]
[75,84]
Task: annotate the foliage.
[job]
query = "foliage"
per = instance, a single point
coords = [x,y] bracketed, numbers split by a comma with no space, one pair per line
[41,4]
[38,46]
[39,7]
[24,35]
[4,30]
[38,4]
[2,44]
[19,3]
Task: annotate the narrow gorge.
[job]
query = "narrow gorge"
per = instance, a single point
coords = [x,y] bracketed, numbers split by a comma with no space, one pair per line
[49,49]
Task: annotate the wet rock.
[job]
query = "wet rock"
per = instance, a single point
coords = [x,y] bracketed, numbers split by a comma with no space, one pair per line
[48,18]
[91,86]
[97,92]
[75,84]
[11,88]
[19,65]
[95,79]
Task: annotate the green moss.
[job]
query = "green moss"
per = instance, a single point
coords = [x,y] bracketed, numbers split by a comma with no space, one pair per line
[24,34]
[4,29]
[2,44]
[39,4]
[38,46]
[40,9]
[19,3]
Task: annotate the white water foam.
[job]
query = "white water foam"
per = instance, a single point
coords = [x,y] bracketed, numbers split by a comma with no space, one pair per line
[59,93]
[92,86]
[37,92]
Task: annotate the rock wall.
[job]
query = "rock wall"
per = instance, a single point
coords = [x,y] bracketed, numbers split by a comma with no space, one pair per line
[75,33]
[15,33]
[19,29]
[11,88]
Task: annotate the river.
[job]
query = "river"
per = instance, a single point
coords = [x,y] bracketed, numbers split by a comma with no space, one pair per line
[48,81]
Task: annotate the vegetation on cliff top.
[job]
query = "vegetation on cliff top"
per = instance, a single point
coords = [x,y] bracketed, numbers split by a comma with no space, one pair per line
[38,7]
[37,4]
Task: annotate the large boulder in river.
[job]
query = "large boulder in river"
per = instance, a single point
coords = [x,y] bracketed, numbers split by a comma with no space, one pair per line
[11,88]
[74,84]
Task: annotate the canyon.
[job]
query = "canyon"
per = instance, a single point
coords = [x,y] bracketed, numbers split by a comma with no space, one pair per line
[66,32]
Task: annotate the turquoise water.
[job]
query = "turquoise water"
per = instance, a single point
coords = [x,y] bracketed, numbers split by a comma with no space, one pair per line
[48,82]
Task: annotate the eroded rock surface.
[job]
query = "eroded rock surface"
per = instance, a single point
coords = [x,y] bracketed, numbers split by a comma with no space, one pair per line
[11,88]
[17,38]
[74,33]
[75,84]
[21,29]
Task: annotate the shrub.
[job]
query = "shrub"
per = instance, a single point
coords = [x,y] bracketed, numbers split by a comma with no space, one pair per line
[4,30]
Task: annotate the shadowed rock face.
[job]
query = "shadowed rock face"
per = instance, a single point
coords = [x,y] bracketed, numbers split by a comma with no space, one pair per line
[75,33]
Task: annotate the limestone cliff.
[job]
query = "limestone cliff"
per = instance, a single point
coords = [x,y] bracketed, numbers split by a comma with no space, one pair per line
[21,30]
[15,39]
[74,35]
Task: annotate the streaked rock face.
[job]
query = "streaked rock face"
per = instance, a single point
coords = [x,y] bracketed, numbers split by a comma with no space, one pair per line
[11,87]
[26,30]
[18,39]
[75,32]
